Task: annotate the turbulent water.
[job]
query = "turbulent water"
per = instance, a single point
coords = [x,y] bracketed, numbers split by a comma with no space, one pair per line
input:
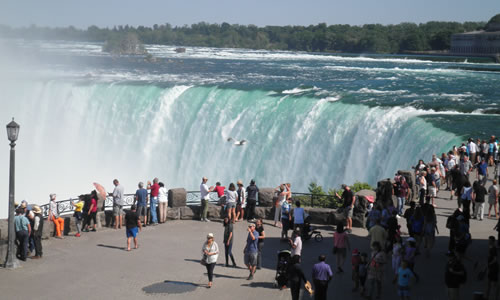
[87,117]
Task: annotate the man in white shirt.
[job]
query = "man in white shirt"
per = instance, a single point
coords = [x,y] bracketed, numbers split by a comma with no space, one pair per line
[472,151]
[296,243]
[205,197]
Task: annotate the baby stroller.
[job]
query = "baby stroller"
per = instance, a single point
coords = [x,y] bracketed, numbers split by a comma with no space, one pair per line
[308,231]
[281,278]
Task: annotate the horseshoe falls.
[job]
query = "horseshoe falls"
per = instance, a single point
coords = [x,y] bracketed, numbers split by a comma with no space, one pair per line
[88,117]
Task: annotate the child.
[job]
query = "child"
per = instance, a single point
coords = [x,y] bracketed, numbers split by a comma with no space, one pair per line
[363,272]
[397,252]
[132,221]
[410,252]
[403,276]
[78,215]
[355,261]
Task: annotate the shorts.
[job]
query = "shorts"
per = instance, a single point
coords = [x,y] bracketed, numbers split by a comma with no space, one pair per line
[348,212]
[132,232]
[403,291]
[250,259]
[117,210]
[432,191]
[230,204]
[141,210]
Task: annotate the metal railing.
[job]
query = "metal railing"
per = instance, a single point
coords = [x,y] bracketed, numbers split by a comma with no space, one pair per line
[64,207]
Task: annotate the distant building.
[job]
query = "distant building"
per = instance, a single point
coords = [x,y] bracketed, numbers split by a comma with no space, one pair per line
[478,43]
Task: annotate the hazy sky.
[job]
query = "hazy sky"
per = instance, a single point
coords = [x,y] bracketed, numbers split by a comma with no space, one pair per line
[270,12]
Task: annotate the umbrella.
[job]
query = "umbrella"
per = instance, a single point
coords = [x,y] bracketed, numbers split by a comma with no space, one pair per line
[101,191]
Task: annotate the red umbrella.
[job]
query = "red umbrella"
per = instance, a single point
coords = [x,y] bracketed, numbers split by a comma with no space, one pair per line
[101,191]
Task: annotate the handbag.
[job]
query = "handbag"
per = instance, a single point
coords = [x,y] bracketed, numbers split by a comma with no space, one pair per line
[203,260]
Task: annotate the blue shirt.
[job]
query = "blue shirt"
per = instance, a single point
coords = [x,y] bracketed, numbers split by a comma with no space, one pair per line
[322,271]
[21,223]
[252,244]
[298,215]
[285,210]
[141,195]
[404,276]
[483,167]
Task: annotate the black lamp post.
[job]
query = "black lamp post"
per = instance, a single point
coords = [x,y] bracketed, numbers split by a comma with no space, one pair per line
[11,261]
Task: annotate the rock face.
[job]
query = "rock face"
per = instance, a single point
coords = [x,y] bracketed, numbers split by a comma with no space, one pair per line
[384,192]
[321,215]
[266,196]
[359,215]
[177,197]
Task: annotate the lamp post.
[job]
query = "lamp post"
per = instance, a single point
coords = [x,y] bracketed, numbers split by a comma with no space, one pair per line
[11,261]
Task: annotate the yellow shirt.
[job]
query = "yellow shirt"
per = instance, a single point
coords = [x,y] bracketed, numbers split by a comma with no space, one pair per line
[79,206]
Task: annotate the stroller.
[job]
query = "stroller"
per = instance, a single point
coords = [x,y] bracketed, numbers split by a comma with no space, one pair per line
[308,231]
[281,278]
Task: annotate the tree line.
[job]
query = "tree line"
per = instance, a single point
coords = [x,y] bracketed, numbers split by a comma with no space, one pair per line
[370,38]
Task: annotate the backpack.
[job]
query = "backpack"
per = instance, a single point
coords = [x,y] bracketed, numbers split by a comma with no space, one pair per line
[467,194]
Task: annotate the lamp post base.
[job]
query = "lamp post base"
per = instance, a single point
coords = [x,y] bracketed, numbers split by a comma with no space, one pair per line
[12,265]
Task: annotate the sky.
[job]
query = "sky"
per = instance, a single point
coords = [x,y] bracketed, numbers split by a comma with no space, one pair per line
[107,13]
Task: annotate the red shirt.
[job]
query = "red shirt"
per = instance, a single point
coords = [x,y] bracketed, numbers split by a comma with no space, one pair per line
[94,203]
[155,189]
[220,190]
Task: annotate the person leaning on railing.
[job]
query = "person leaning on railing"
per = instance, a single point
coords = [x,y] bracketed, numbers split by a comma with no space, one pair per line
[54,216]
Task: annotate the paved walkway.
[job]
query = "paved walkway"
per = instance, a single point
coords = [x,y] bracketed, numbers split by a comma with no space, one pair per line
[96,265]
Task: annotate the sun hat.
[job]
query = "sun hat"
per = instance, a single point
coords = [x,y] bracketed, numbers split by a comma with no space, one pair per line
[210,236]
[36,209]
[239,182]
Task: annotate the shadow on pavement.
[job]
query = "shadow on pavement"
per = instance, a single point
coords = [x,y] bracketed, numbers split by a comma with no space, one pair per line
[267,285]
[171,287]
[112,247]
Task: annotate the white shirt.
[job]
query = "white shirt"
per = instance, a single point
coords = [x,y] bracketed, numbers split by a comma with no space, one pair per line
[162,195]
[472,147]
[297,242]
[231,196]
[204,194]
[214,248]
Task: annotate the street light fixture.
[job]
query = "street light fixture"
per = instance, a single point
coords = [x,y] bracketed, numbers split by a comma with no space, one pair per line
[11,261]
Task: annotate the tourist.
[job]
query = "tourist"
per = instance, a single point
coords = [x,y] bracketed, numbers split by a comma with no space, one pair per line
[280,200]
[133,225]
[141,201]
[462,237]
[492,269]
[466,167]
[251,250]
[38,232]
[452,225]
[219,189]
[85,212]
[153,203]
[77,214]
[23,231]
[493,198]
[228,241]
[377,234]
[296,243]
[92,212]
[410,253]
[231,196]
[241,201]
[432,185]
[163,202]
[408,215]
[392,229]
[472,149]
[417,226]
[340,246]
[458,180]
[210,252]
[118,203]
[374,215]
[348,201]
[321,276]
[422,183]
[397,254]
[298,216]
[492,150]
[403,276]
[466,199]
[295,277]
[449,164]
[430,229]
[252,191]
[363,272]
[286,219]
[482,171]
[205,197]
[401,192]
[376,270]
[455,275]
[260,245]
[54,216]
[478,197]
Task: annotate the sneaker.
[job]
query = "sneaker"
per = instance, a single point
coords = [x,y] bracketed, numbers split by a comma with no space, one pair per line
[77,235]
[94,230]
[207,220]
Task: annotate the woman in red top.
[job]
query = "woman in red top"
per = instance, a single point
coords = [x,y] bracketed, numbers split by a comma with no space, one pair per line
[92,213]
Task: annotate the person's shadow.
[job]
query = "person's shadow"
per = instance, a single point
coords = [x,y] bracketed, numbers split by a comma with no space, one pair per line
[111,247]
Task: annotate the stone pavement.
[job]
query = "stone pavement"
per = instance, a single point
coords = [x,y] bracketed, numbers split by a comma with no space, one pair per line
[166,265]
